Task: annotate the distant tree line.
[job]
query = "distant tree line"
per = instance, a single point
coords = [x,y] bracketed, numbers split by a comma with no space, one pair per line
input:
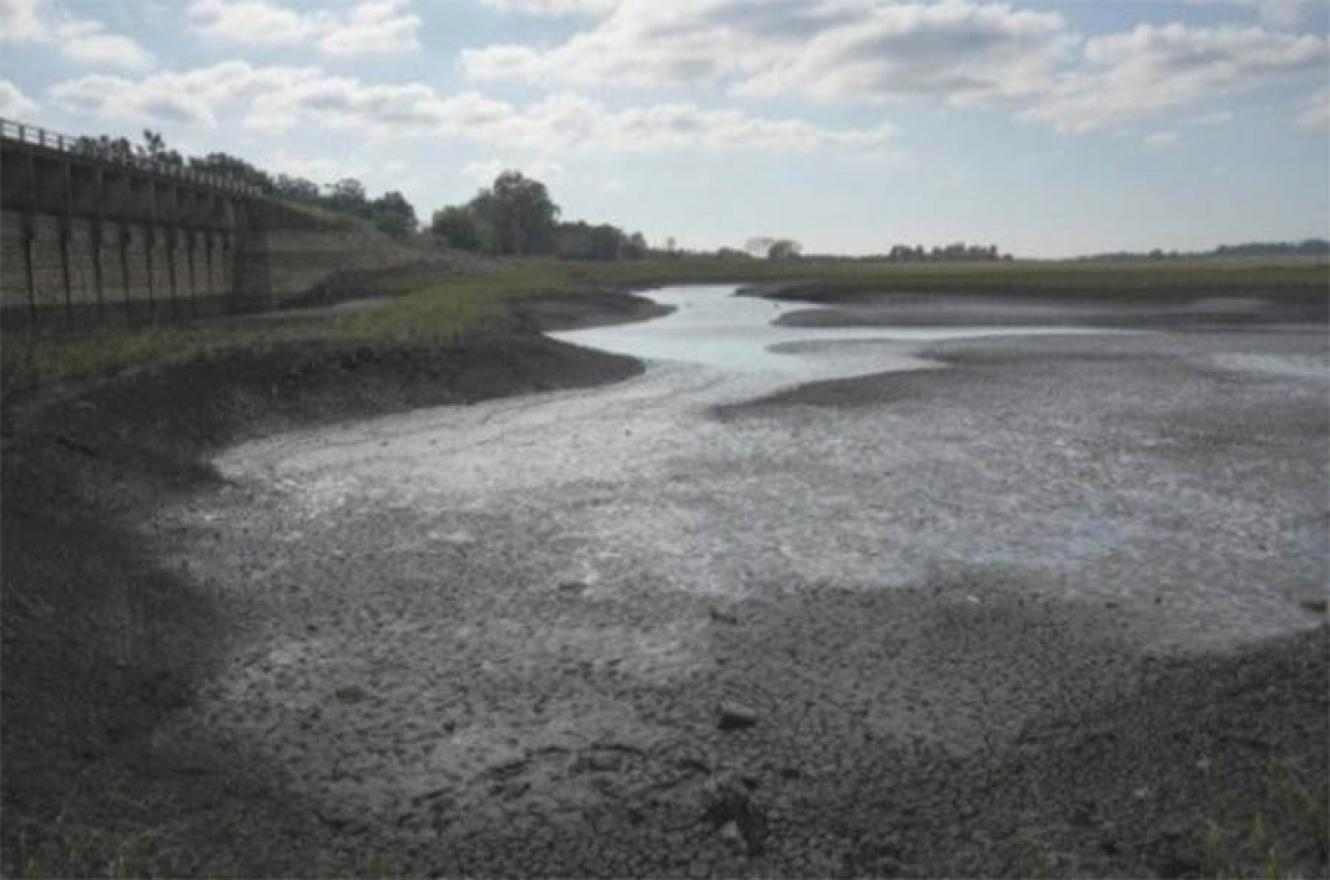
[789,249]
[960,252]
[1311,247]
[771,248]
[516,216]
[390,212]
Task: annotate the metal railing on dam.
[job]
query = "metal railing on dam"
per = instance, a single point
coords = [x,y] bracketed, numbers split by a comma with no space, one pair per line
[92,230]
[118,153]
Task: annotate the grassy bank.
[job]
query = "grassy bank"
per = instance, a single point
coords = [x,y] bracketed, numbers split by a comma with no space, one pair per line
[432,309]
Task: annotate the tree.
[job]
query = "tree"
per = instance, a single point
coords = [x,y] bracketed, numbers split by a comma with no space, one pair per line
[636,247]
[393,214]
[153,143]
[297,189]
[233,167]
[458,227]
[784,249]
[348,195]
[520,214]
[115,150]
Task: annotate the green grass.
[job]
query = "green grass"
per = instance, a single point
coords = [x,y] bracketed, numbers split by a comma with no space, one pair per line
[1297,812]
[434,309]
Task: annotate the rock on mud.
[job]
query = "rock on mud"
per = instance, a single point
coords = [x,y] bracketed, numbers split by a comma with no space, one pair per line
[735,716]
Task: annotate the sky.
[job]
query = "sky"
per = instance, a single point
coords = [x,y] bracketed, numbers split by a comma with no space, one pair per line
[1047,128]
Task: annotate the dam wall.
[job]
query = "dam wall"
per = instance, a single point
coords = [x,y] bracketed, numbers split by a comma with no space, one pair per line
[89,238]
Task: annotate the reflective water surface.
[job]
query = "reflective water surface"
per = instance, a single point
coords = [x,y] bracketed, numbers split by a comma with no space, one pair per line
[711,327]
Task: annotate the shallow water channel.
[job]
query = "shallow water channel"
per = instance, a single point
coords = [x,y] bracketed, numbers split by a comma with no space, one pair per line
[713,328]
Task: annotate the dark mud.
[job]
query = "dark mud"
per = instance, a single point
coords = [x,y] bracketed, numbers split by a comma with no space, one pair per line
[101,641]
[581,310]
[502,721]
[1146,306]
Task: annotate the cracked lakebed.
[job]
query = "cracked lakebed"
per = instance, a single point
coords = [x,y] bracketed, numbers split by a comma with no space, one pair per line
[492,638]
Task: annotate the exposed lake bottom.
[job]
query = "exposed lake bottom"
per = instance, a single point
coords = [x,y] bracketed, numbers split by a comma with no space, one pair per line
[497,635]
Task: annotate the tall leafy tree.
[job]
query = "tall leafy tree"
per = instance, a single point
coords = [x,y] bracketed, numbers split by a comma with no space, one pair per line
[457,225]
[520,213]
[393,214]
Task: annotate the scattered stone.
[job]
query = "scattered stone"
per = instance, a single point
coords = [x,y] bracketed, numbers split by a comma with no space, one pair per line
[1314,604]
[603,760]
[728,803]
[723,615]
[351,694]
[730,833]
[735,716]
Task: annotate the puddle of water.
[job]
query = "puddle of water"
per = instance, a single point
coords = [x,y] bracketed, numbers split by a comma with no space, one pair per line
[712,327]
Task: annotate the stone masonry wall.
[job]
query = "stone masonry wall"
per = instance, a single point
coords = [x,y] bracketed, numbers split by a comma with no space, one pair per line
[120,266]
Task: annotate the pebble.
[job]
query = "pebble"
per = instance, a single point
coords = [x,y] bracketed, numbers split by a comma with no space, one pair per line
[722,615]
[735,716]
[730,833]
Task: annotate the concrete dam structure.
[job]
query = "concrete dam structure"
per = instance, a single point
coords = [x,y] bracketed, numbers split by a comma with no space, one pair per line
[89,237]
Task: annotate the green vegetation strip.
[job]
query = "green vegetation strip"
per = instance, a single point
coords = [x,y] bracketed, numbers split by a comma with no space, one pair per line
[439,310]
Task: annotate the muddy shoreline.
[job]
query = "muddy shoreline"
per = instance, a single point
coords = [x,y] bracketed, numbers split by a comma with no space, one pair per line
[107,636]
[101,641]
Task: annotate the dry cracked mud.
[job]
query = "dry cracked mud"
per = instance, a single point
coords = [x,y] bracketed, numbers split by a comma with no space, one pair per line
[1022,605]
[495,639]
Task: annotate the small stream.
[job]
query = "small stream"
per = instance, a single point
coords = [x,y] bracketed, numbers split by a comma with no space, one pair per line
[711,327]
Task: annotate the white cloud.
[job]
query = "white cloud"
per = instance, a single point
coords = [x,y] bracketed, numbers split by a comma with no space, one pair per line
[959,51]
[383,26]
[554,7]
[1214,117]
[851,49]
[370,26]
[253,23]
[13,103]
[1316,112]
[22,22]
[1152,69]
[1162,139]
[545,169]
[319,169]
[276,99]
[1276,13]
[485,171]
[80,40]
[191,98]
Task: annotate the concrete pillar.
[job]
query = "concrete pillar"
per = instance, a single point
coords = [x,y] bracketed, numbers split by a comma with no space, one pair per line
[210,285]
[96,242]
[66,235]
[29,269]
[169,240]
[83,268]
[125,238]
[48,267]
[191,239]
